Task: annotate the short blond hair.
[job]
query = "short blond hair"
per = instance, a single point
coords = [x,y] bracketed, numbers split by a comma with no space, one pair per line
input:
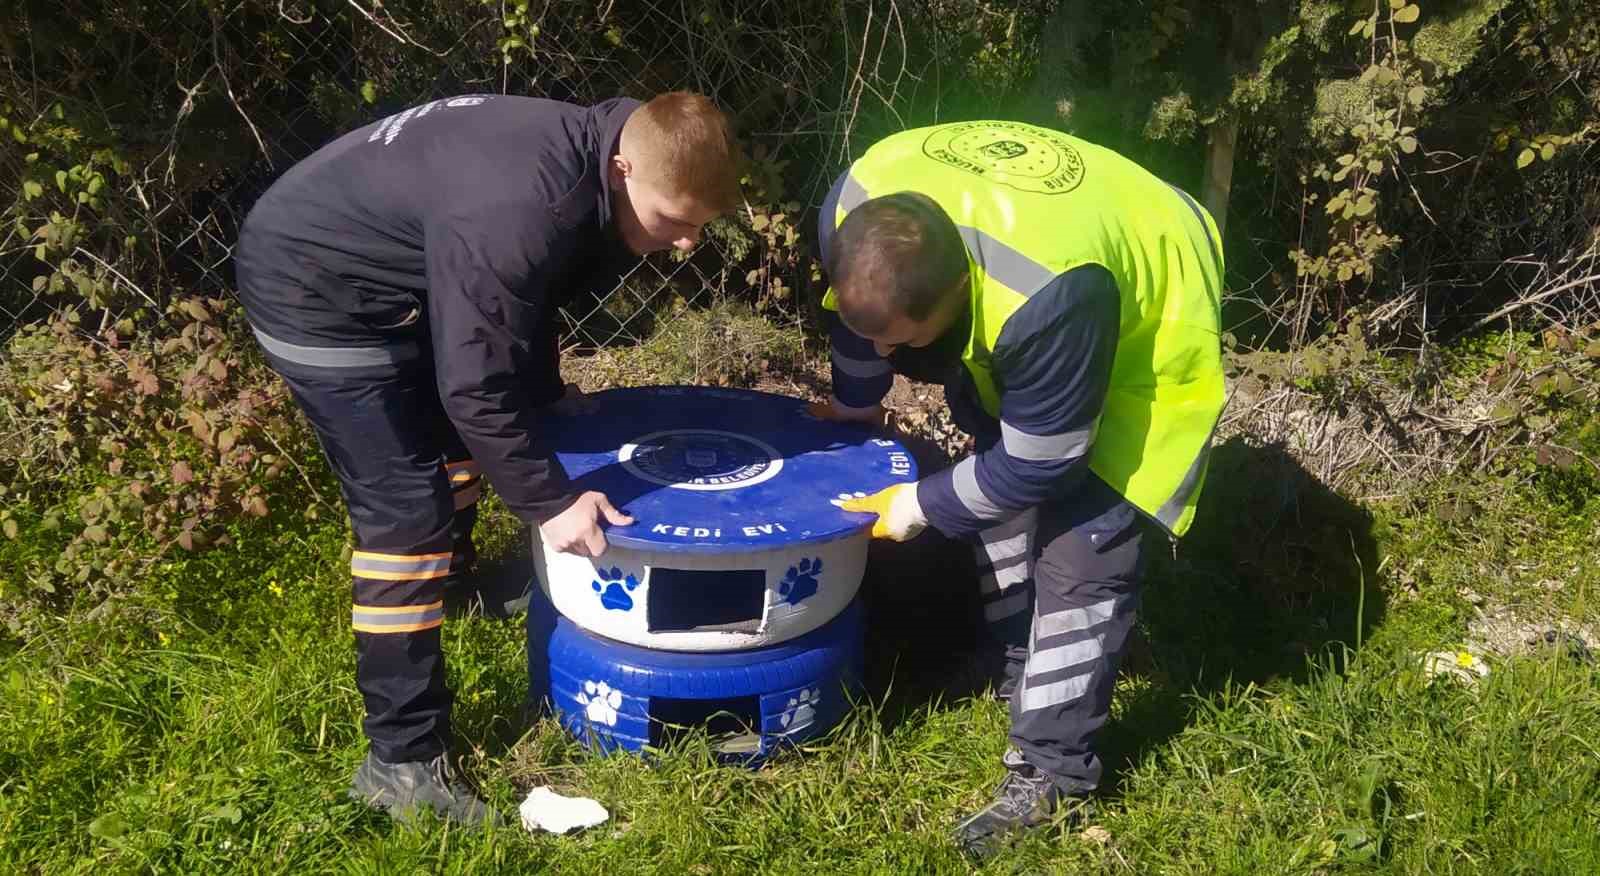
[684,143]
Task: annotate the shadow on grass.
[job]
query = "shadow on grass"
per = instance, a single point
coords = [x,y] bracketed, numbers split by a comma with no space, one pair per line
[1271,573]
[497,716]
[1277,568]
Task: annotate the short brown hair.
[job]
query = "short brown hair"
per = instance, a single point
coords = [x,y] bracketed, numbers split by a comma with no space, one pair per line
[895,255]
[683,142]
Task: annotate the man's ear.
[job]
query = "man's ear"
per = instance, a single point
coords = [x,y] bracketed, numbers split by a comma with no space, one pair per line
[621,168]
[955,302]
[960,292]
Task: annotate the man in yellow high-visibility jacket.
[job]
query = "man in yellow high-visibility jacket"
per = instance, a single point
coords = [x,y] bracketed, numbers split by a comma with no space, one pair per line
[1069,301]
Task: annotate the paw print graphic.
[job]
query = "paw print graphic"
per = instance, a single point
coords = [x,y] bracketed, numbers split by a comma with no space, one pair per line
[845,497]
[614,588]
[600,702]
[801,710]
[800,581]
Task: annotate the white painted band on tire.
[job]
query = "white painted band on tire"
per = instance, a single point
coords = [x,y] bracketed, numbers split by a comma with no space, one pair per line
[738,540]
[800,588]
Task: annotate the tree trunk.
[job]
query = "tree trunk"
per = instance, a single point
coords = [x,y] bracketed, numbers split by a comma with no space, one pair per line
[1219,171]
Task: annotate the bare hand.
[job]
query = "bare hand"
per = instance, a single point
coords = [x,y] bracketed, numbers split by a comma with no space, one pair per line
[876,416]
[577,529]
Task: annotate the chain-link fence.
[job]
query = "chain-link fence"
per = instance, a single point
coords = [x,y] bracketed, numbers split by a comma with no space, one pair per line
[138,133]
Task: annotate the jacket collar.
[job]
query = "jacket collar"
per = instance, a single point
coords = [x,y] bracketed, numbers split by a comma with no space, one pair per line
[608,118]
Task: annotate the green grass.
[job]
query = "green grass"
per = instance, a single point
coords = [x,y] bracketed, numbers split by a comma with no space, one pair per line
[207,721]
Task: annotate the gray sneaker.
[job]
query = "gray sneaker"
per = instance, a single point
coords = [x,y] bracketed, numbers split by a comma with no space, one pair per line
[402,788]
[1026,799]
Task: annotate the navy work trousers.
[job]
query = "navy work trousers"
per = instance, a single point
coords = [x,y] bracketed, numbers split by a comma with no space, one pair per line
[1060,589]
[411,492]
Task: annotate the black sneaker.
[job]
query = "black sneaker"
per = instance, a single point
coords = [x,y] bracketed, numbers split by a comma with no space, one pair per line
[1026,799]
[402,788]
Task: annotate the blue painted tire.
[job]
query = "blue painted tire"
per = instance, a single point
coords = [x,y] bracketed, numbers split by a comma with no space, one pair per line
[707,470]
[611,694]
[738,542]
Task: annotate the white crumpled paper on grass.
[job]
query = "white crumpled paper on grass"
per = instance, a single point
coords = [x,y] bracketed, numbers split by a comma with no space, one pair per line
[546,810]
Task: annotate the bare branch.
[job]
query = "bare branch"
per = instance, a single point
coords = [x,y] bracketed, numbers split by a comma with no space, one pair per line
[282,13]
[1543,295]
[120,276]
[398,33]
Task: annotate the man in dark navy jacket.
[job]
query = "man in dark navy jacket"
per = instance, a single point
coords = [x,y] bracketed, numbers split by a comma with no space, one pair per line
[403,280]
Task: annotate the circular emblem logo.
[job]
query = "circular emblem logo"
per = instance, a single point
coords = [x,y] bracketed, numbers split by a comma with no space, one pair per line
[700,459]
[1024,157]
[465,101]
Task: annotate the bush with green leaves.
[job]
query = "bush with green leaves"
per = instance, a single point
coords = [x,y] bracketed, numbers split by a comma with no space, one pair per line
[121,446]
[135,417]
[1413,168]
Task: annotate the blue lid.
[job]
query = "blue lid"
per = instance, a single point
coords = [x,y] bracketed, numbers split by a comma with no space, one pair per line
[711,470]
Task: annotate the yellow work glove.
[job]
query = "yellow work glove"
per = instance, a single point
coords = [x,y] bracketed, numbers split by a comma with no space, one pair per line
[899,513]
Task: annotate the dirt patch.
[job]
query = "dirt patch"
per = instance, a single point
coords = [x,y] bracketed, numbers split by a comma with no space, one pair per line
[1506,631]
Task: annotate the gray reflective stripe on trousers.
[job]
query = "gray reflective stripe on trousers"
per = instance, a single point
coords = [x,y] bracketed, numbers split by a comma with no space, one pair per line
[965,480]
[1053,659]
[1003,548]
[1055,693]
[359,564]
[1057,623]
[1073,619]
[422,615]
[1023,522]
[1004,553]
[1169,512]
[1205,227]
[997,258]
[337,357]
[1046,448]
[861,368]
[1001,580]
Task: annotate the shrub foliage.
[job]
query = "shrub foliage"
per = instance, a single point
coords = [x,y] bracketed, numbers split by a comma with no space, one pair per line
[1402,169]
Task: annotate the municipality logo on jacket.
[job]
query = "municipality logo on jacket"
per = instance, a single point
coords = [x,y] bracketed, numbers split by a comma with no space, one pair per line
[1025,157]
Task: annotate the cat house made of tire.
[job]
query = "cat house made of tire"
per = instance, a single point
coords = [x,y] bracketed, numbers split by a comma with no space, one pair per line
[737,542]
[613,695]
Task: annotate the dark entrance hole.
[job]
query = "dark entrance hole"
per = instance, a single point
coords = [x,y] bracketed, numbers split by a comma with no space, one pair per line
[684,600]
